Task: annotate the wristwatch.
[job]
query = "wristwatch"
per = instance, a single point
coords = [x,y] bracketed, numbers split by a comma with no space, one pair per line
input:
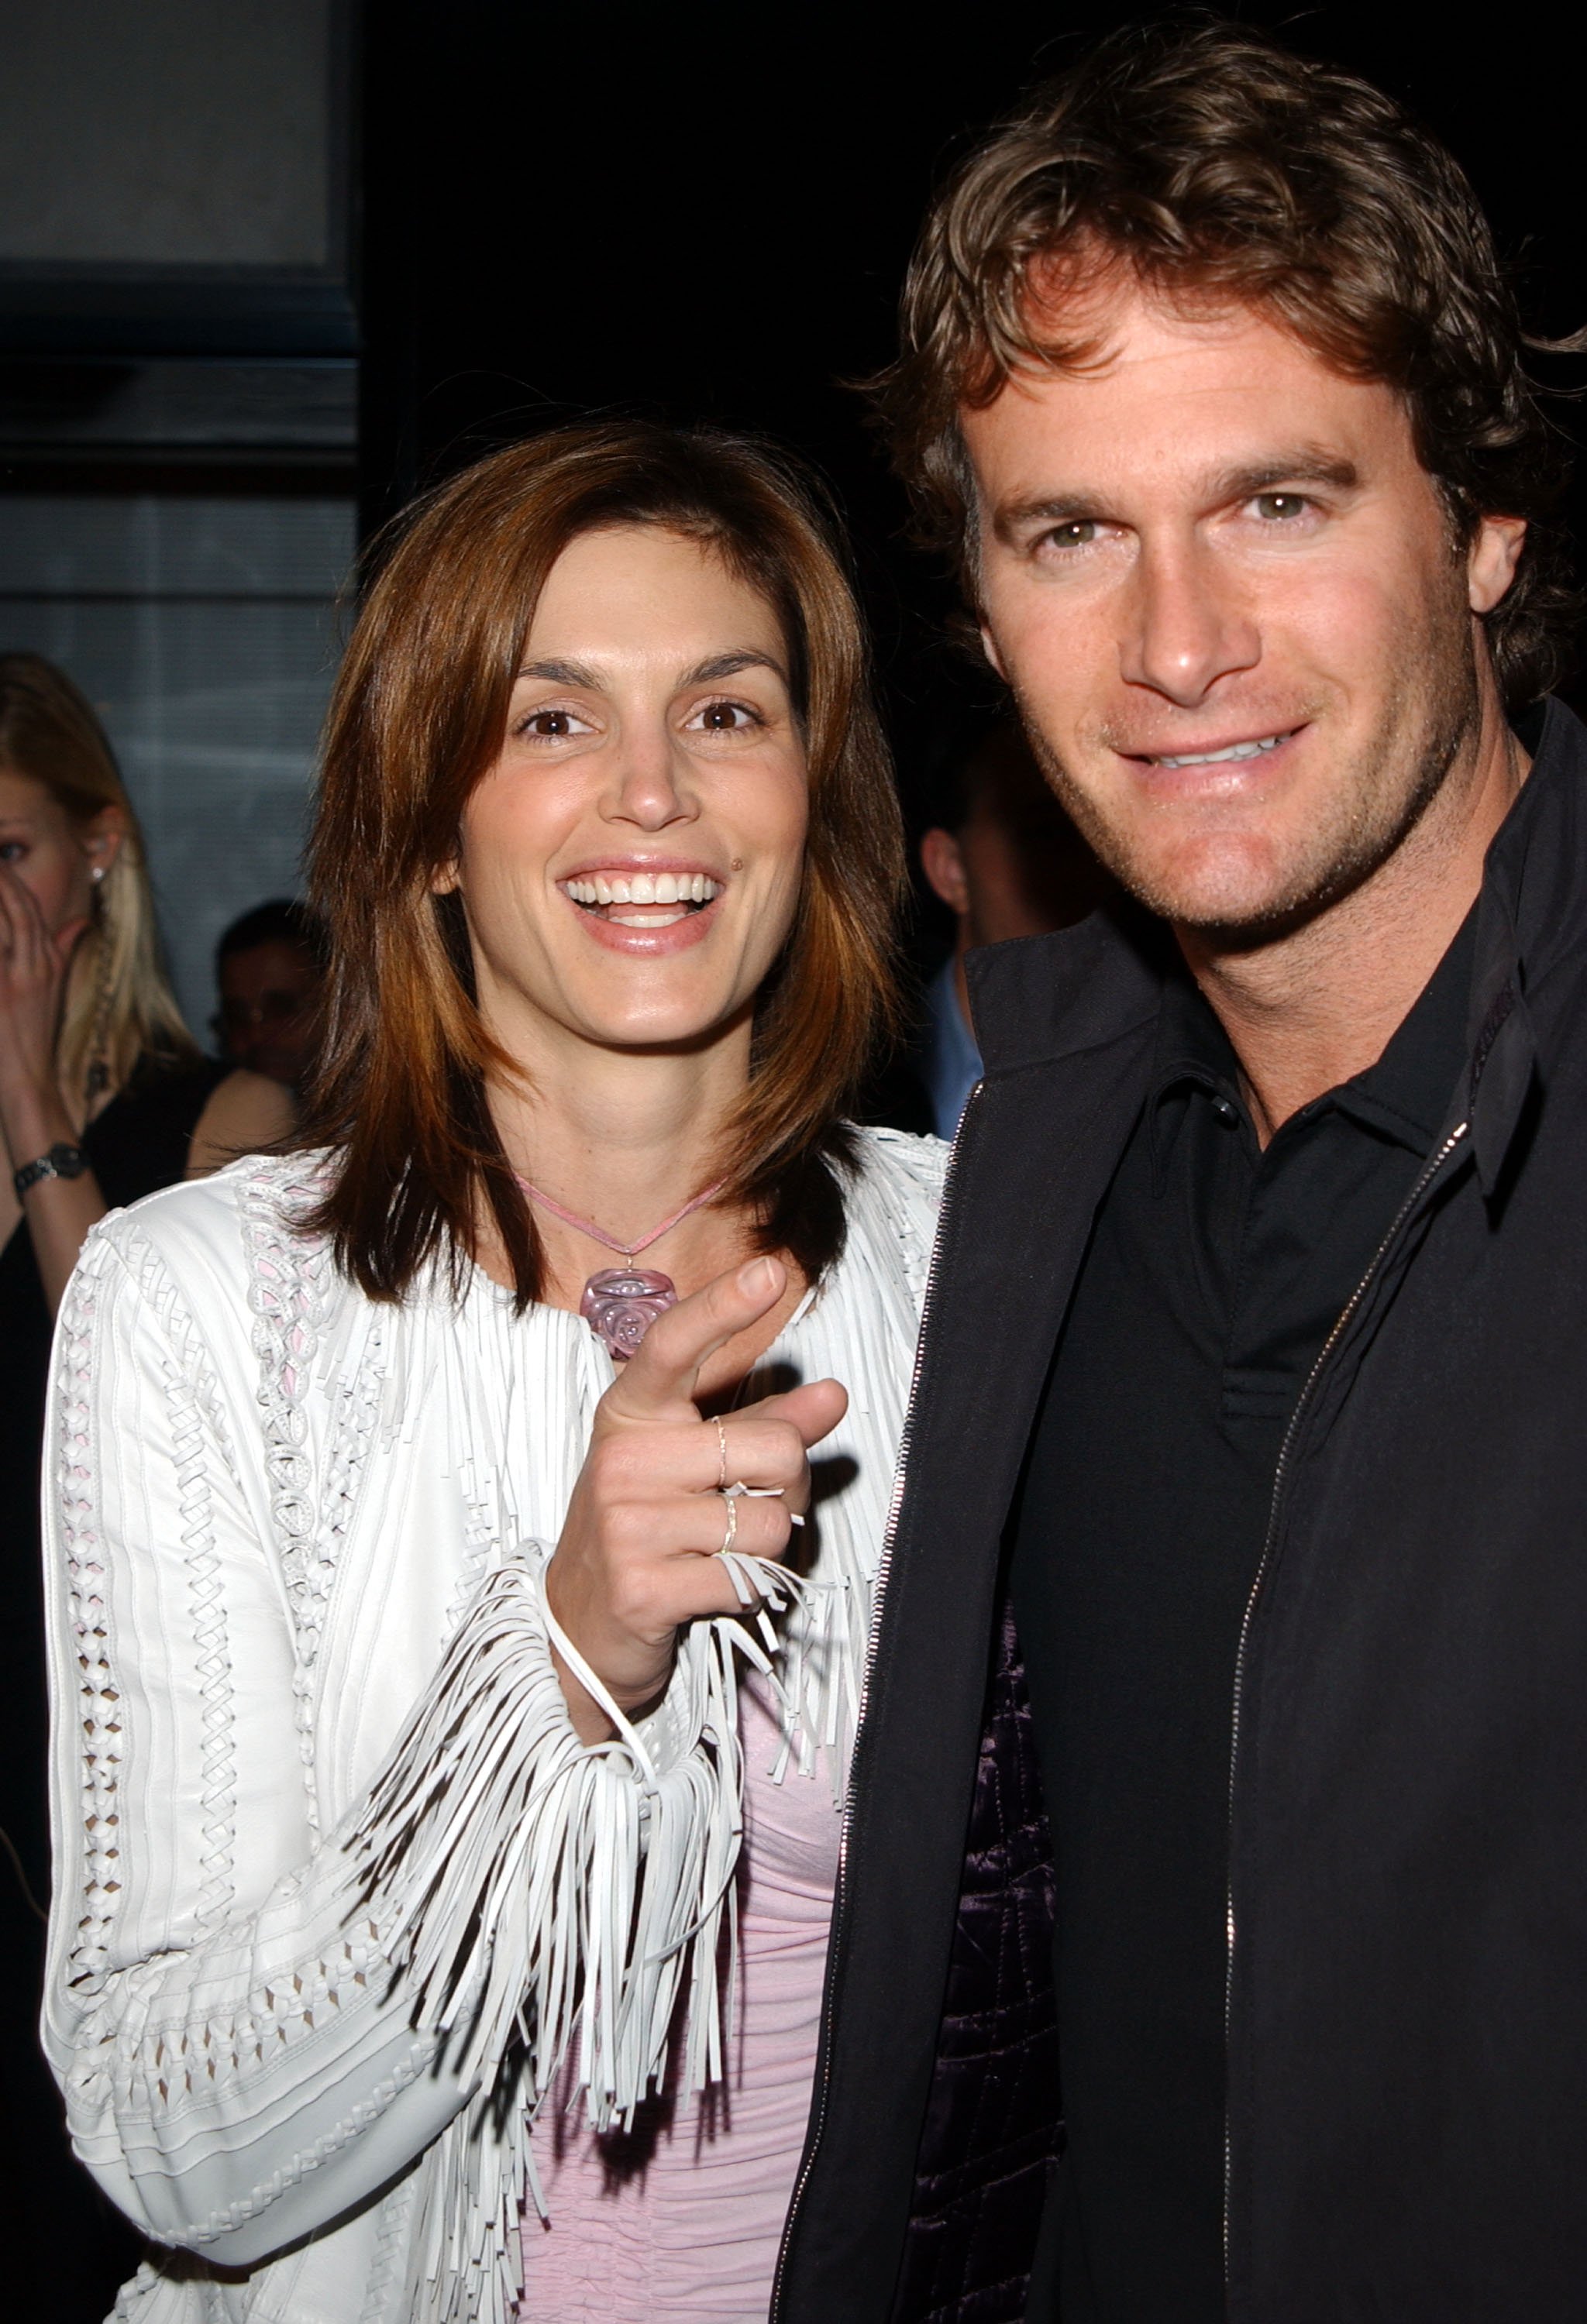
[61,1161]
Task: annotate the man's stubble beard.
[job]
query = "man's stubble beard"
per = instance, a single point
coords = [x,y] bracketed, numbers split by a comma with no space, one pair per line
[1367,820]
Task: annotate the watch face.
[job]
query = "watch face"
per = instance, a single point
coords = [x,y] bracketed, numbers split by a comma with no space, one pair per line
[61,1161]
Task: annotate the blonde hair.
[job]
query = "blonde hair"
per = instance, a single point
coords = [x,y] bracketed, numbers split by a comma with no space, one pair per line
[119,1004]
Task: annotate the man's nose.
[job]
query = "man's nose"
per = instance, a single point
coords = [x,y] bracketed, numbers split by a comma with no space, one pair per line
[1189,626]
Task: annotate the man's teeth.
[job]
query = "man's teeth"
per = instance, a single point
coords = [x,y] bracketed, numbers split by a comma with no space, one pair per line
[645,887]
[1215,757]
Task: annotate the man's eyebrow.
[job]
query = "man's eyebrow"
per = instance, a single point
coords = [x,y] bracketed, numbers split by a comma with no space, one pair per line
[1011,517]
[1302,465]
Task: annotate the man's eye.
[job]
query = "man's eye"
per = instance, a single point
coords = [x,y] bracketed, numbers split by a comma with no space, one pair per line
[1274,508]
[11,850]
[1078,533]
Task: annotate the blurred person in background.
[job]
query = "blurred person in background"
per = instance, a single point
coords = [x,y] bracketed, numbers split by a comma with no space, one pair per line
[1005,859]
[104,1096]
[270,970]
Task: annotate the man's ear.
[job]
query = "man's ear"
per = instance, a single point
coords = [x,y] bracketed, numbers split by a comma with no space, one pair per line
[942,860]
[1492,559]
[989,648]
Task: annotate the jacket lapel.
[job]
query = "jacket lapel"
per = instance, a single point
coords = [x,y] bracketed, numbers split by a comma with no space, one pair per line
[1065,1024]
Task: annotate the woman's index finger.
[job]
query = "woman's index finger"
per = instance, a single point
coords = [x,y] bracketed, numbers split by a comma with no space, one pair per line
[664,1369]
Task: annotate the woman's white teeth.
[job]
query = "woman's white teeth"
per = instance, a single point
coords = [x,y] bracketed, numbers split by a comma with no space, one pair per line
[645,887]
[1214,758]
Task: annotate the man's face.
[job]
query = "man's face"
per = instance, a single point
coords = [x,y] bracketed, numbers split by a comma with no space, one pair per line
[1228,600]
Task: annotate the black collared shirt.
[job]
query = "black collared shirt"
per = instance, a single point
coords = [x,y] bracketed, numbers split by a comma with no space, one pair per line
[1214,1275]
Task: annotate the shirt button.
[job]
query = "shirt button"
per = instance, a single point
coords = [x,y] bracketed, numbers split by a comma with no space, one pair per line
[1224,1110]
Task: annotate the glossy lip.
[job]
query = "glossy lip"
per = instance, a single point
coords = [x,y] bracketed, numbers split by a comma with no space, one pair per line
[645,944]
[587,864]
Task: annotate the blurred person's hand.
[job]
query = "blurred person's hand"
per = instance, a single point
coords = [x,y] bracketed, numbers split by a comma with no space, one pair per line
[33,964]
[638,1553]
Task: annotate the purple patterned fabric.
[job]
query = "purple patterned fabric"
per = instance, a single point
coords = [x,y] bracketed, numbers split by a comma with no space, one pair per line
[991,2128]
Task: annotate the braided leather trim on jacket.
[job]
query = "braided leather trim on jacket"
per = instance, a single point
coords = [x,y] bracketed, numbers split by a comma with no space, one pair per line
[287,1284]
[198,1434]
[97,1700]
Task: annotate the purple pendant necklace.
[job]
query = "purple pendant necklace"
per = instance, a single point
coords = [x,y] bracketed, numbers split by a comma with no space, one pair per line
[620,1304]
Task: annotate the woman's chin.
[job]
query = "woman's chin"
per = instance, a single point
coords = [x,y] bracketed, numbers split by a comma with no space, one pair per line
[648,1022]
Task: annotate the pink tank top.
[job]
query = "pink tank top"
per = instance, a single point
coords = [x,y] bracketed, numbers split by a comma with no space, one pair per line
[681,2217]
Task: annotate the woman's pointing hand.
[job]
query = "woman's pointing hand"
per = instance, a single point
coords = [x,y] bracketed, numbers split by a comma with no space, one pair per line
[637,1555]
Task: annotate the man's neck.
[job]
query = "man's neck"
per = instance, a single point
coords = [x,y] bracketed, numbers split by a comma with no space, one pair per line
[962,983]
[1320,1003]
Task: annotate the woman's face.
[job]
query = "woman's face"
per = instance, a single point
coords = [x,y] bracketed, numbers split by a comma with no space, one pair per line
[631,864]
[51,854]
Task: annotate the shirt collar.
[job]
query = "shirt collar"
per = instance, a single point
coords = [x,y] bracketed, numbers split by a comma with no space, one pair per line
[1405,1096]
[1192,1053]
[950,1060]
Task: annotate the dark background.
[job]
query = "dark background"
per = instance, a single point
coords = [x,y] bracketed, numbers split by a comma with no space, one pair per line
[264,261]
[703,214]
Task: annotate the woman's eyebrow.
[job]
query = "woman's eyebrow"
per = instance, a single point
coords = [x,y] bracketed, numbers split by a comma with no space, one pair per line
[704,673]
[561,673]
[728,665]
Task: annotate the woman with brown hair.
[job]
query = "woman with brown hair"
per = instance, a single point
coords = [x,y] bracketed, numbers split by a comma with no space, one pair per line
[449,1768]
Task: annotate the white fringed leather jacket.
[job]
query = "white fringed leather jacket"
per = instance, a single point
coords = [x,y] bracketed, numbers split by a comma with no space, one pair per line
[336,1883]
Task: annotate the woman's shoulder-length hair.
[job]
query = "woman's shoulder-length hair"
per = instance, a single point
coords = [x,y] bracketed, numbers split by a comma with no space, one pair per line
[418,715]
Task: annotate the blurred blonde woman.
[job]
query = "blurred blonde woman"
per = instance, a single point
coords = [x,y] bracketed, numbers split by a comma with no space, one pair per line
[104,1096]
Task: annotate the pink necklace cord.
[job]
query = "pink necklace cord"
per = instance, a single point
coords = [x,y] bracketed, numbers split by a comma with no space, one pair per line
[596,1234]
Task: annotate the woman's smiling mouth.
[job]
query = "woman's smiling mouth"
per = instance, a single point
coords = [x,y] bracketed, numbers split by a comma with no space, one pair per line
[642,899]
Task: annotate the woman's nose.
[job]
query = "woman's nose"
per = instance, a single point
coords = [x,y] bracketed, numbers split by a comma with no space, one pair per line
[652,787]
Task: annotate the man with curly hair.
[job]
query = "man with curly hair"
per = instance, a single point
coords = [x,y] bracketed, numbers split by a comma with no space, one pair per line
[1251,1413]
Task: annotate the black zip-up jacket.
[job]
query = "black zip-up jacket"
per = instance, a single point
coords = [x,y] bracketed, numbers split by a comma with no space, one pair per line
[1407,1861]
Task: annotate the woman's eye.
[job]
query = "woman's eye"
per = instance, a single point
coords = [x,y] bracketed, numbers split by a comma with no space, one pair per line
[1278,508]
[725,718]
[552,725]
[11,850]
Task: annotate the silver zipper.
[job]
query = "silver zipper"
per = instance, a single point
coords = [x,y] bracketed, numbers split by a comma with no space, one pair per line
[883,1570]
[1286,1447]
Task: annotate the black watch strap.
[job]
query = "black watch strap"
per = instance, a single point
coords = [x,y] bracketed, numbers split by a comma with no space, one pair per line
[61,1161]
